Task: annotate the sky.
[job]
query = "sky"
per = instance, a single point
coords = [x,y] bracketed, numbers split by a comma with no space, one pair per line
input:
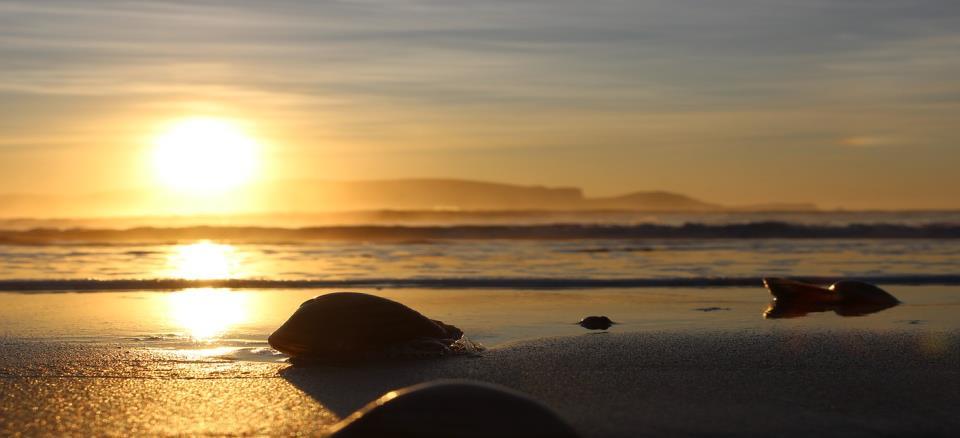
[845,103]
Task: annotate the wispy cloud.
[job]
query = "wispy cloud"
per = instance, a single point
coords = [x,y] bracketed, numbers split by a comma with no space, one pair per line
[707,77]
[529,50]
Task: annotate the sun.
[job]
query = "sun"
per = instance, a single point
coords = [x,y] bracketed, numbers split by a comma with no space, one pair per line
[204,155]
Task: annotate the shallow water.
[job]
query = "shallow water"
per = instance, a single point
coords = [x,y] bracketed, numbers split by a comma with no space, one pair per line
[234,324]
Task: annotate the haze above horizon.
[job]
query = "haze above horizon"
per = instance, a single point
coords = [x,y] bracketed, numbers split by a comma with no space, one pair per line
[844,104]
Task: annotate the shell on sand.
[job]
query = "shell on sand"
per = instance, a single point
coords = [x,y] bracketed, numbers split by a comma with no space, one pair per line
[845,298]
[348,326]
[783,289]
[454,408]
[841,292]
[860,292]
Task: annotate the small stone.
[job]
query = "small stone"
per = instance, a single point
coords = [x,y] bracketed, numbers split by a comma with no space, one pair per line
[596,323]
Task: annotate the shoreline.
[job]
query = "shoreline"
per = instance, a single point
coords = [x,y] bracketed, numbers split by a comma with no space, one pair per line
[739,382]
[245,317]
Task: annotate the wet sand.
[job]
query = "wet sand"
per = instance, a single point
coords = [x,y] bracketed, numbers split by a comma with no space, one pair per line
[689,382]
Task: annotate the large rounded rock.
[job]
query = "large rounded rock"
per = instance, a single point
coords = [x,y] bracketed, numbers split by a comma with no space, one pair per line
[454,409]
[346,326]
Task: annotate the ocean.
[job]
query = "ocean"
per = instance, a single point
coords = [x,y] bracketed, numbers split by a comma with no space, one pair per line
[609,251]
[229,285]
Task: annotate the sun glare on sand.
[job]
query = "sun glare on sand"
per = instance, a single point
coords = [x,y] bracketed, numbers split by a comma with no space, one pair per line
[204,155]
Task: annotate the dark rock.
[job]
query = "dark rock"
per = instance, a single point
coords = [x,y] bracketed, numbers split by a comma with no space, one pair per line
[596,323]
[347,326]
[454,408]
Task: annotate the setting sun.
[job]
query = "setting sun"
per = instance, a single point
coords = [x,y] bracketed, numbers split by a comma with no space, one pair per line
[204,155]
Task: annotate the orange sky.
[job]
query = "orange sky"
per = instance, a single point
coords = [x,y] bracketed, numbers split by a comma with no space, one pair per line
[845,104]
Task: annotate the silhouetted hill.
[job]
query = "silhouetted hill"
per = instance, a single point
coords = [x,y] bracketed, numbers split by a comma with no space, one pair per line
[652,201]
[306,196]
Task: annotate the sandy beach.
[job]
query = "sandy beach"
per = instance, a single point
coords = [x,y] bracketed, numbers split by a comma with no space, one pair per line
[744,383]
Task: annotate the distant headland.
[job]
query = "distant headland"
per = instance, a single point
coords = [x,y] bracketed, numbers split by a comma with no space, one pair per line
[316,196]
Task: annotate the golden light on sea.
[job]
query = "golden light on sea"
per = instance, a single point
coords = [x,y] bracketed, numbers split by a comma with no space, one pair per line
[207,313]
[203,260]
[205,156]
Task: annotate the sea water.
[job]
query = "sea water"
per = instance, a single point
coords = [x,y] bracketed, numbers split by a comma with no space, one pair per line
[223,287]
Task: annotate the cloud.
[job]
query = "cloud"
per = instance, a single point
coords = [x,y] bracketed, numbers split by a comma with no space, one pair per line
[528,51]
[609,68]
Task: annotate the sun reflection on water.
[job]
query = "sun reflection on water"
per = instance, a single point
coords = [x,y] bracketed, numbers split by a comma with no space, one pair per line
[203,261]
[207,313]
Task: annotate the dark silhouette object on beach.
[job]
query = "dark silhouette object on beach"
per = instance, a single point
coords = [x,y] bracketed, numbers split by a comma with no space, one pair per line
[454,408]
[347,327]
[596,323]
[793,299]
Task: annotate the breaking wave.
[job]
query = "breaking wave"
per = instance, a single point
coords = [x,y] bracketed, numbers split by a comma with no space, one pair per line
[750,230]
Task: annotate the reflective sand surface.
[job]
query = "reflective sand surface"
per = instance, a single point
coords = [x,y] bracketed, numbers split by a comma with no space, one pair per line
[741,383]
[206,318]
[680,361]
